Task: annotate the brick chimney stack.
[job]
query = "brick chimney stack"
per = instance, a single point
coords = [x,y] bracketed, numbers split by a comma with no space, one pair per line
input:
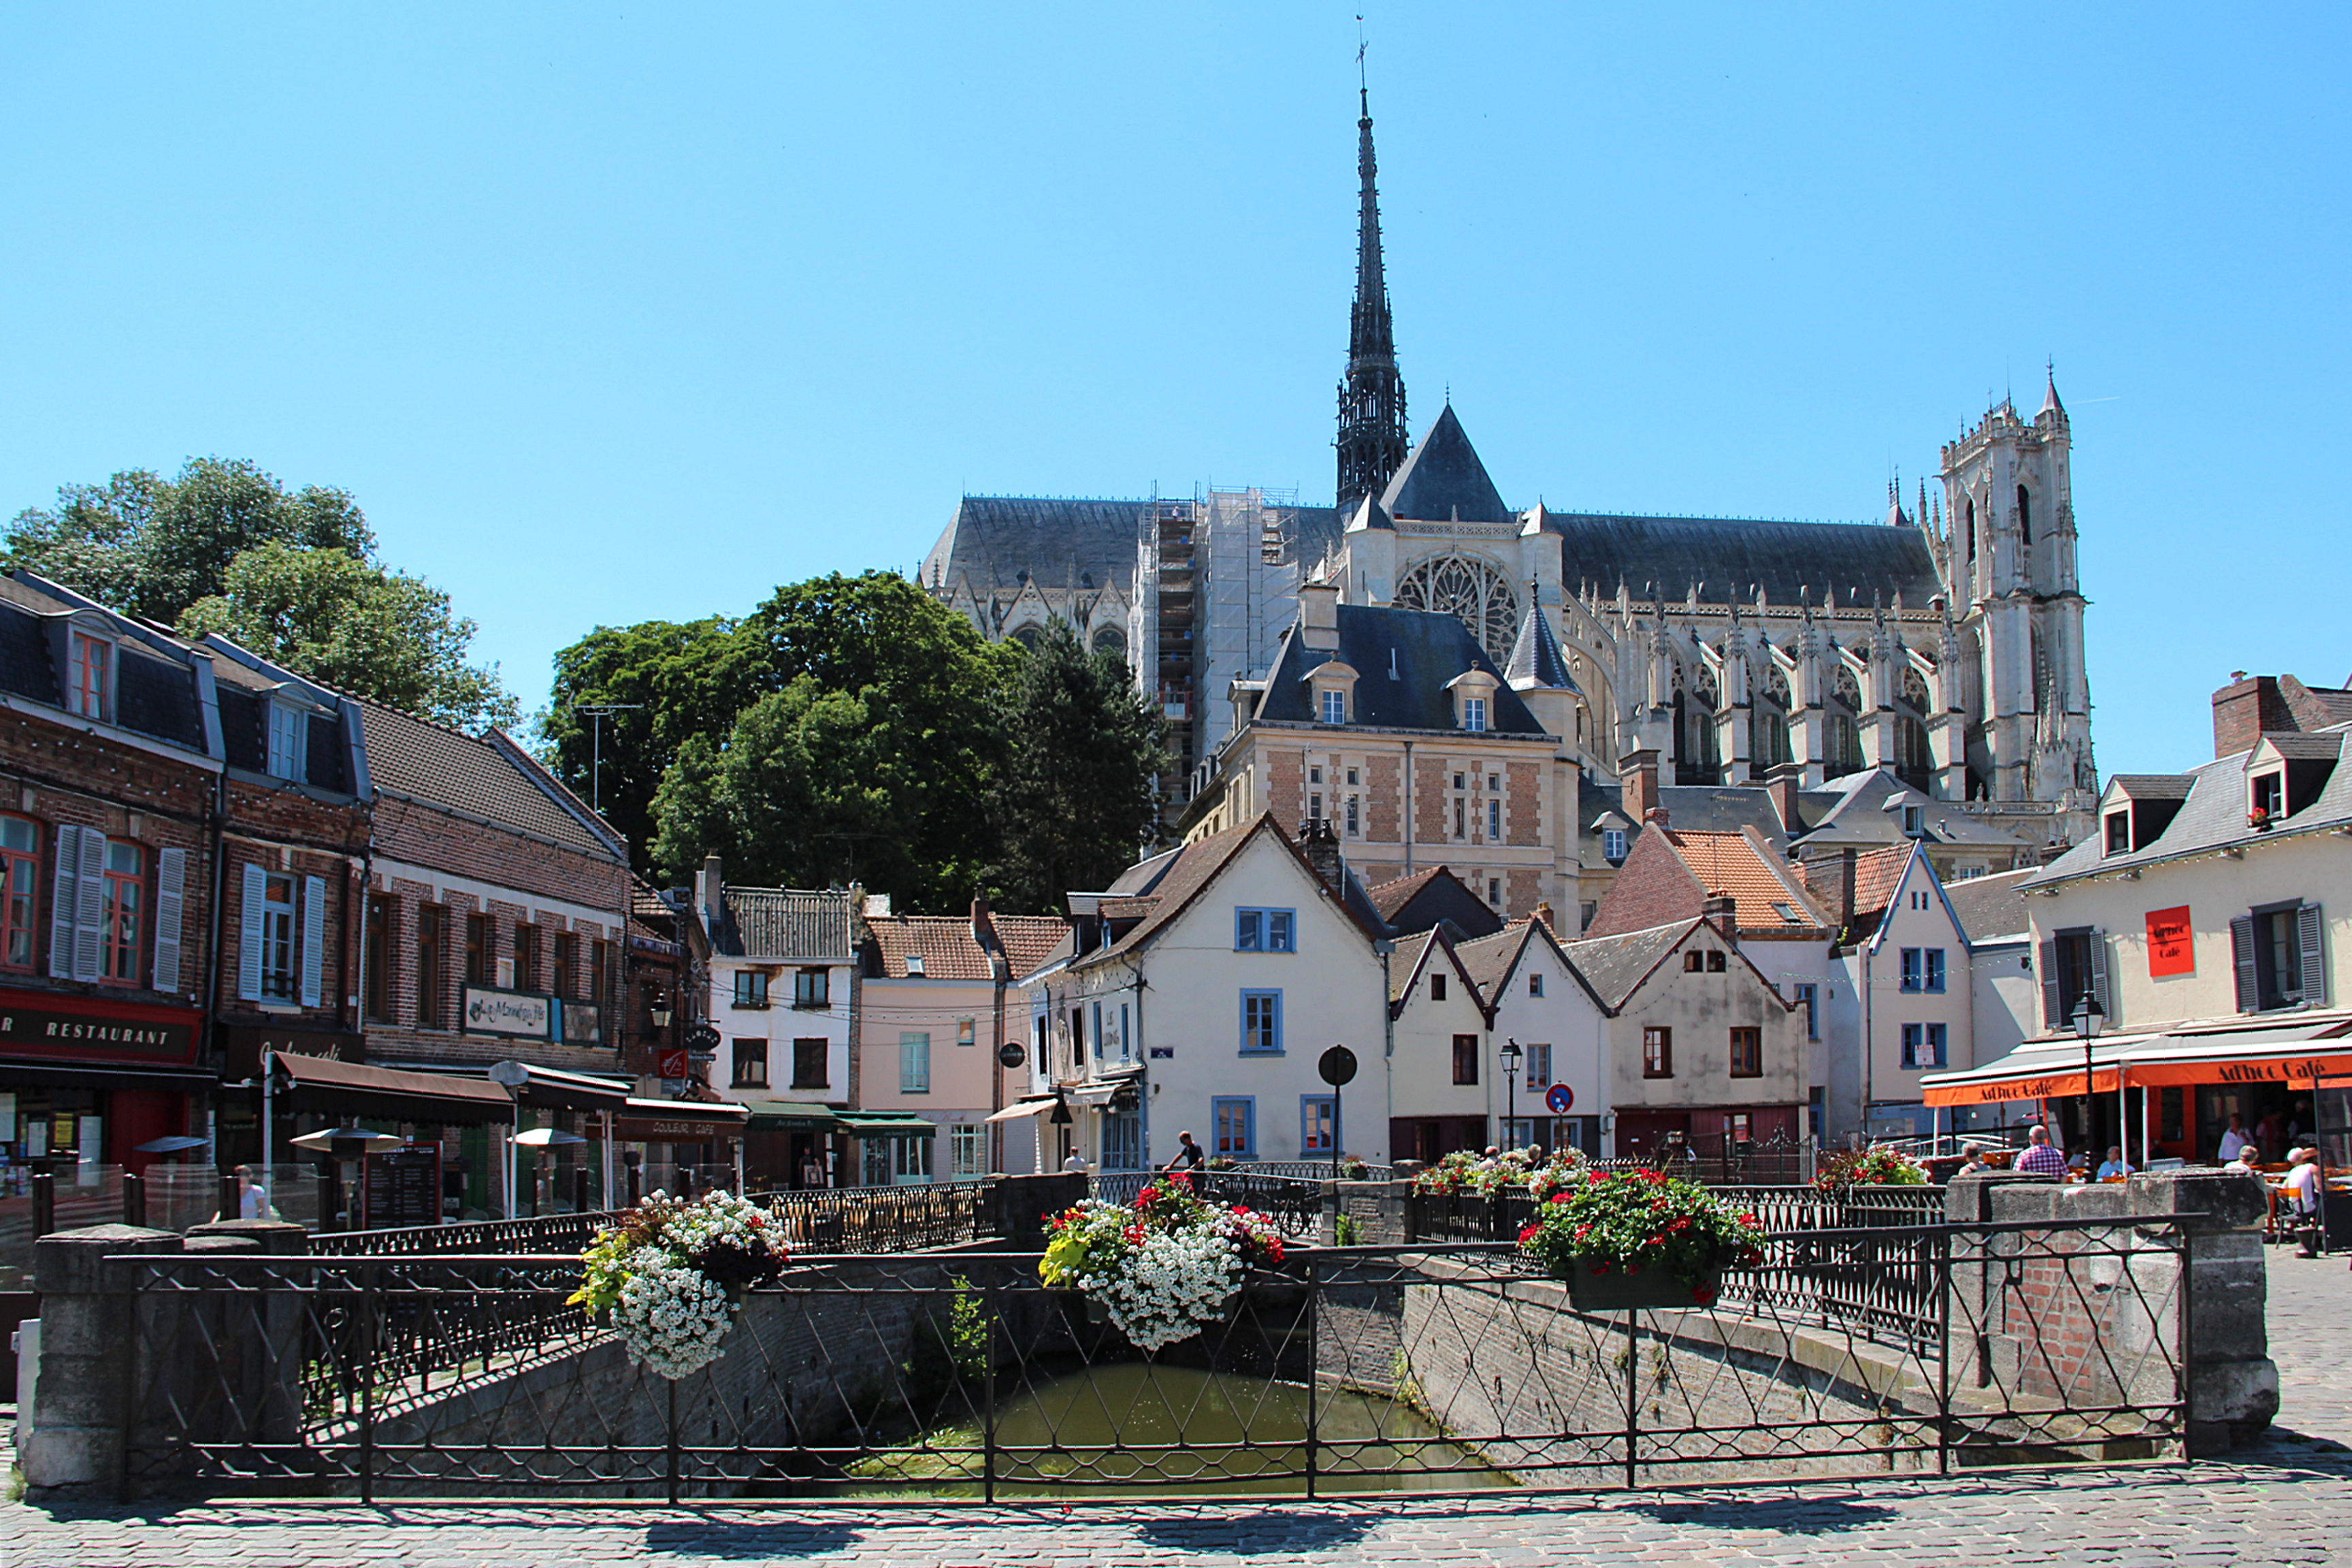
[1543,913]
[1322,849]
[1637,776]
[2244,708]
[1722,913]
[1782,782]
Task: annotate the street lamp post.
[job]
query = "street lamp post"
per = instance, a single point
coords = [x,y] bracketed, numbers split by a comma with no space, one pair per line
[1511,1055]
[2088,1016]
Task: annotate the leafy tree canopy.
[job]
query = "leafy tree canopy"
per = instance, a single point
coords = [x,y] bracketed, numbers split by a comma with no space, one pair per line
[153,546]
[1073,799]
[349,624]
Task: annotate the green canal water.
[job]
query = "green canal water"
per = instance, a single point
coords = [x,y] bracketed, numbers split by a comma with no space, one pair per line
[1132,1425]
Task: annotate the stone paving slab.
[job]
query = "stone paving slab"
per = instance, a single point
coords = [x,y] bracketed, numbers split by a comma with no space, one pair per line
[2288,1502]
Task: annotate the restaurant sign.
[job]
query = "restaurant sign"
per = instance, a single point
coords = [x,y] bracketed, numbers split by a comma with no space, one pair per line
[2048,1086]
[512,1013]
[243,1045]
[686,1128]
[2305,1071]
[36,1023]
[2170,950]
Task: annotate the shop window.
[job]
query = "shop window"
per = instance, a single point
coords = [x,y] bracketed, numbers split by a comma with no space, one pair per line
[375,986]
[751,988]
[812,988]
[20,840]
[432,940]
[89,676]
[750,1064]
[125,916]
[1465,1059]
[968,1151]
[1657,1051]
[1123,1140]
[809,1064]
[1747,1052]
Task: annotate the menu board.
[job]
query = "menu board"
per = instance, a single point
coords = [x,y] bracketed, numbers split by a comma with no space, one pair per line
[404,1188]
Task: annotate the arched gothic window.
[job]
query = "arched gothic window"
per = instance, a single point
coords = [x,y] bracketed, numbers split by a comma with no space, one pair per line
[1842,743]
[1470,591]
[1110,639]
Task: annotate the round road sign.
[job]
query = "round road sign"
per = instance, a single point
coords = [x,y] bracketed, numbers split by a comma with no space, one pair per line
[1560,1097]
[1338,1066]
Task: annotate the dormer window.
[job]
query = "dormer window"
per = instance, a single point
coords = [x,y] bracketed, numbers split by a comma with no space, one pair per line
[1474,713]
[1914,820]
[2119,832]
[90,676]
[1613,844]
[2268,802]
[1334,705]
[288,728]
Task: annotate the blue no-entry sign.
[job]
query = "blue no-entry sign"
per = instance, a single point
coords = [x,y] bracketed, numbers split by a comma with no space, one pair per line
[1560,1097]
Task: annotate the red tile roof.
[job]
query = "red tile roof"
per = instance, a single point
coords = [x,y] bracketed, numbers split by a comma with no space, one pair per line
[1733,863]
[947,948]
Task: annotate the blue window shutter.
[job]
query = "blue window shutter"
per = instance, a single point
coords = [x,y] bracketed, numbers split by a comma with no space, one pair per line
[2314,957]
[64,898]
[171,902]
[314,937]
[248,951]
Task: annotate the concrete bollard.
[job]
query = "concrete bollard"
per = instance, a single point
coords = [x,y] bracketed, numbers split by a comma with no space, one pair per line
[80,1422]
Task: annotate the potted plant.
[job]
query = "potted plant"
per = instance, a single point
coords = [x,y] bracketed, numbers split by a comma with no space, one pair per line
[1636,1238]
[1875,1166]
[672,1275]
[1162,1268]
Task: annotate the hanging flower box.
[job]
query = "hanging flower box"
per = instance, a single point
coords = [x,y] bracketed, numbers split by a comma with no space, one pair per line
[1619,1292]
[672,1273]
[1161,1268]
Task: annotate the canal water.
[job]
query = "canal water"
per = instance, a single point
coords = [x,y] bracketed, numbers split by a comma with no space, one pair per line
[1133,1425]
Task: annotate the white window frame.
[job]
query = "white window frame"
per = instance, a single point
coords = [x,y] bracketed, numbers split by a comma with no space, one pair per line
[1333,705]
[1474,713]
[966,1150]
[914,1061]
[288,740]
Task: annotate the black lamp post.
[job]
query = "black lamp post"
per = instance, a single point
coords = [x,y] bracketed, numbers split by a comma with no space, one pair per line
[2088,1016]
[1511,1055]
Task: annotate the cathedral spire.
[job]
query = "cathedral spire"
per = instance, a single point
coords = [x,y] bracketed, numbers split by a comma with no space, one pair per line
[1371,441]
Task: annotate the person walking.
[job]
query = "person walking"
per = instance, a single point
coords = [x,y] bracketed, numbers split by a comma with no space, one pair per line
[2040,1158]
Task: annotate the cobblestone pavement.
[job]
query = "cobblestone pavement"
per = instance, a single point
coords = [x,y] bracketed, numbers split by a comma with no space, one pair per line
[2287,1502]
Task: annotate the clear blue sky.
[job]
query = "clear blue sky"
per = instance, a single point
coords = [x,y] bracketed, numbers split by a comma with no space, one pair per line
[634,312]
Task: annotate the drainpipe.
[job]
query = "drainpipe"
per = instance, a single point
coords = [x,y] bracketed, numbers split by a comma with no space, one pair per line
[1407,808]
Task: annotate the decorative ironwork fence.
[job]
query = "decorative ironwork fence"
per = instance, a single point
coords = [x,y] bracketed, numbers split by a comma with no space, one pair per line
[1439,1368]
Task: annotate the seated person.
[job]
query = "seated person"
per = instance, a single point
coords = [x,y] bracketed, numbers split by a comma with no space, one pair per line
[2113,1165]
[2302,1197]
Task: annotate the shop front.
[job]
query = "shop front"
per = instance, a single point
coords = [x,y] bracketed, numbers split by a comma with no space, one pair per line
[895,1147]
[445,1167]
[680,1146]
[792,1145]
[85,1081]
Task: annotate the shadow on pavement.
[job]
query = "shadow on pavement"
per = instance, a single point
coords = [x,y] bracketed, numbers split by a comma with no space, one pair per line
[1262,1532]
[751,1542]
[1794,1516]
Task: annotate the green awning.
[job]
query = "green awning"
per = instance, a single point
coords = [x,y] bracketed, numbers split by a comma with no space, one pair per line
[791,1116]
[887,1124]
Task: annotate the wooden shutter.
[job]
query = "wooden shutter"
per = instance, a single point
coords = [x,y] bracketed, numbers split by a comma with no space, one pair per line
[2315,973]
[64,898]
[171,899]
[2241,956]
[314,937]
[90,904]
[2096,942]
[2053,1006]
[248,951]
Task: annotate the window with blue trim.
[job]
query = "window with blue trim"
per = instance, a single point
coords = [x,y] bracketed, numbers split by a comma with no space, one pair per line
[1261,1022]
[1923,1044]
[1935,969]
[1914,969]
[1319,1124]
[1266,931]
[1232,1127]
[1809,993]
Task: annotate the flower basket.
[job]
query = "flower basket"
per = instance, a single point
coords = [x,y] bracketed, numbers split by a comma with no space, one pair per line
[1618,1292]
[671,1276]
[1161,1268]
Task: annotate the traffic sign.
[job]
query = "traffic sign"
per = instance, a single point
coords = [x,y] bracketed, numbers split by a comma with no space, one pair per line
[1338,1066]
[672,1063]
[1560,1097]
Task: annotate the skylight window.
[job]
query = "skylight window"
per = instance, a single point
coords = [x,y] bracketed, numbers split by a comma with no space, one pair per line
[1789,914]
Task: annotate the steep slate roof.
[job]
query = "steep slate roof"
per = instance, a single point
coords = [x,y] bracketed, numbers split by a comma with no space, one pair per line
[1853,809]
[782,923]
[413,760]
[1490,959]
[1443,480]
[1405,965]
[1061,541]
[2152,786]
[2213,816]
[1614,966]
[1420,901]
[1992,907]
[1429,648]
[1733,863]
[1536,659]
[950,950]
[154,677]
[1728,559]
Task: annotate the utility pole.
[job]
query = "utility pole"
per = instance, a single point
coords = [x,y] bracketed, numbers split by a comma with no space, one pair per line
[597,714]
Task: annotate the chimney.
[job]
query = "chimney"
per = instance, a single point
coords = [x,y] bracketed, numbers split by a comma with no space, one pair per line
[708,885]
[2244,708]
[1543,913]
[1322,849]
[983,927]
[1783,782]
[1318,614]
[1722,913]
[1637,773]
[1843,911]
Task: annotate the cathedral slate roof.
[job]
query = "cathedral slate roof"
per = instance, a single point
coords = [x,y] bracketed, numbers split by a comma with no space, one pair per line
[1425,648]
[1728,559]
[1062,541]
[1443,480]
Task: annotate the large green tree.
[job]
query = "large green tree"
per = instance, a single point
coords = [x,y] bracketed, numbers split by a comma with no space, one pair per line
[351,624]
[154,546]
[1073,799]
[292,574]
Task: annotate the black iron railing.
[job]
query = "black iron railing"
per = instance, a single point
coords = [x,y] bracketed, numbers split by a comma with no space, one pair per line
[1345,1370]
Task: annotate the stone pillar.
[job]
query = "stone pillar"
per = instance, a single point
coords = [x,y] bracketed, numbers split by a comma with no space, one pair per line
[88,1327]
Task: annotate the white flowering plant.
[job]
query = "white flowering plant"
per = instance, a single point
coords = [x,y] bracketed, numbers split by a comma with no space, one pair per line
[672,1272]
[1496,1171]
[1164,1267]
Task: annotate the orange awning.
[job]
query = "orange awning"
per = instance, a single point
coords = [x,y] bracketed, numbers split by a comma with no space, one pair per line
[2043,1085]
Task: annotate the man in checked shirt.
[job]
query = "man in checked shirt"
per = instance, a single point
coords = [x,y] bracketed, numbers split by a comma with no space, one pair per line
[2040,1158]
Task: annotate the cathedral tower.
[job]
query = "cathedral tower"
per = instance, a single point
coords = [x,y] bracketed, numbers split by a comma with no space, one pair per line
[1371,442]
